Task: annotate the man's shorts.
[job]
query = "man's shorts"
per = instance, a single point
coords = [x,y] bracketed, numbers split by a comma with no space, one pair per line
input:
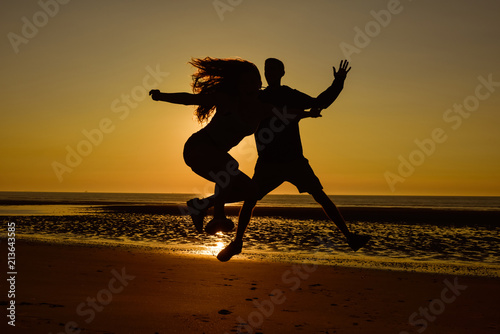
[270,175]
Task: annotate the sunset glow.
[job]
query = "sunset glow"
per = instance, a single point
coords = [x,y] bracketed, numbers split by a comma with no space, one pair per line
[419,113]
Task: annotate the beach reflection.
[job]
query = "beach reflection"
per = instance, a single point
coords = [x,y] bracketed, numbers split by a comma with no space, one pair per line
[43,210]
[212,248]
[414,247]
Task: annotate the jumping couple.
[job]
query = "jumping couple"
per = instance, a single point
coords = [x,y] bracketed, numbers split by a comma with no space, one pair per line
[228,96]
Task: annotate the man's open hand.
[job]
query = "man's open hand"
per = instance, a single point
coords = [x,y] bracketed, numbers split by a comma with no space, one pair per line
[343,70]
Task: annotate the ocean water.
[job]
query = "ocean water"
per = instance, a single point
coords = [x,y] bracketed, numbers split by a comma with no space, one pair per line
[412,233]
[438,202]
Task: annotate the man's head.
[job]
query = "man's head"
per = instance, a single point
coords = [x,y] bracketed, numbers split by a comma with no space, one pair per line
[274,70]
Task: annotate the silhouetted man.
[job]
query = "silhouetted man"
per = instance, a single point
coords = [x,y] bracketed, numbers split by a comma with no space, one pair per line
[280,152]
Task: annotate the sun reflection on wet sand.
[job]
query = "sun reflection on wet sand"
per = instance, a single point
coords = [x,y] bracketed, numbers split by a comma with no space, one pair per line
[214,246]
[214,249]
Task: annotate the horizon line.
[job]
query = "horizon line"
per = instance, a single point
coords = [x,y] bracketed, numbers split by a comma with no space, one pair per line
[272,194]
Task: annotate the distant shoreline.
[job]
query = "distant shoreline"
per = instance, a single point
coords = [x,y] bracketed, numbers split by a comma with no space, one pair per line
[409,215]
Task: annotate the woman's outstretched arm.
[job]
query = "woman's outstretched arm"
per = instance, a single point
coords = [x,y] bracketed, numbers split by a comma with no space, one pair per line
[183,98]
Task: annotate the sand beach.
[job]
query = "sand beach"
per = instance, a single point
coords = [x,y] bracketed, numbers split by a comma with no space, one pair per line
[95,289]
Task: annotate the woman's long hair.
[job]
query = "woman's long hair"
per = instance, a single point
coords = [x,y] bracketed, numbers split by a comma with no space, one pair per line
[217,75]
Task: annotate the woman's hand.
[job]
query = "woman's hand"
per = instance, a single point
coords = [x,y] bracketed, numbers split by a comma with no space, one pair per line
[155,94]
[301,113]
[343,70]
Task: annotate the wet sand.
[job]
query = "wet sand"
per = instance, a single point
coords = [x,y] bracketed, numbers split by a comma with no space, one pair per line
[133,290]
[377,214]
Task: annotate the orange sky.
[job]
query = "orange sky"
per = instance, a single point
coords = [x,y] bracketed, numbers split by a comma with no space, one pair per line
[69,69]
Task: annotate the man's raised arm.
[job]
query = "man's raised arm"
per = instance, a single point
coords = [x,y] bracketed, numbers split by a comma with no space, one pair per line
[325,99]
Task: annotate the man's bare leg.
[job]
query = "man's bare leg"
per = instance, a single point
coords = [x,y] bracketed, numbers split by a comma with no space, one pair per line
[237,244]
[355,241]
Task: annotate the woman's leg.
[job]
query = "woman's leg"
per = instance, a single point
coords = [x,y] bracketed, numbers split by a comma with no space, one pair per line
[236,245]
[231,185]
[231,196]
